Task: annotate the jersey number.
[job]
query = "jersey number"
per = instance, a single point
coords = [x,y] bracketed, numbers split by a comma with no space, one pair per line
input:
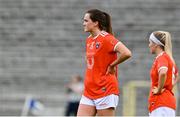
[90,62]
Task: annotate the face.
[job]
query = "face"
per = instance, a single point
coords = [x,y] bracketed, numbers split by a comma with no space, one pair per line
[152,47]
[88,24]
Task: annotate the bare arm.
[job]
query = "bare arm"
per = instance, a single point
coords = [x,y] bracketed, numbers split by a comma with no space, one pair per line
[176,79]
[125,53]
[161,82]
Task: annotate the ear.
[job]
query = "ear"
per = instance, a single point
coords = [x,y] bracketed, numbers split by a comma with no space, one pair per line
[96,23]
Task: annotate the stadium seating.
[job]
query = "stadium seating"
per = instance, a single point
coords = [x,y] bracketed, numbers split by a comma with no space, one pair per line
[42,44]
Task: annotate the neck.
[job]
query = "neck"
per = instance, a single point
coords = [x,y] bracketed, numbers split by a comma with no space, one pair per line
[159,51]
[95,32]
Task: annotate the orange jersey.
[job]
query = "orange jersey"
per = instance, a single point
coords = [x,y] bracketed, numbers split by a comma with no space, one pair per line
[99,55]
[166,98]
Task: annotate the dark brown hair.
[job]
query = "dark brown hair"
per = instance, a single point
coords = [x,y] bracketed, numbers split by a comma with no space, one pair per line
[102,18]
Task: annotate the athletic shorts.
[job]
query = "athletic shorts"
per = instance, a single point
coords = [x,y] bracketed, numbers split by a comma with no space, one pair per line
[163,112]
[101,103]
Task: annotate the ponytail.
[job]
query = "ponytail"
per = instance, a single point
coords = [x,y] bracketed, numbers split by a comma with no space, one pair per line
[107,25]
[168,45]
[165,38]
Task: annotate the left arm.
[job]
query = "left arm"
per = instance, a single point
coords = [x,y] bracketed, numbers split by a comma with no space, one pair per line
[176,76]
[176,79]
[125,53]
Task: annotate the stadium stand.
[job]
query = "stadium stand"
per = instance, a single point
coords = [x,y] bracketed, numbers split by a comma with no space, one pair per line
[42,45]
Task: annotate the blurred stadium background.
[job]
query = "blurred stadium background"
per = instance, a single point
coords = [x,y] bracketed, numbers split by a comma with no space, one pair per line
[42,46]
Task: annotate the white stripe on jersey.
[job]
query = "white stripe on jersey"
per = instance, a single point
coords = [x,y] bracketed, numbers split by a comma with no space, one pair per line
[116,45]
[163,67]
[104,33]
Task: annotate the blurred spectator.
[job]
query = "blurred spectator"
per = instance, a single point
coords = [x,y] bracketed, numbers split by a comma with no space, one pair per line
[74,92]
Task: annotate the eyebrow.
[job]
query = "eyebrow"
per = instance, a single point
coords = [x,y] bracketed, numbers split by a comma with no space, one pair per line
[85,19]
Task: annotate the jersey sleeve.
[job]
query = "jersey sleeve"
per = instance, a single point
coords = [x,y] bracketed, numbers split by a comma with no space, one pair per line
[162,63]
[111,43]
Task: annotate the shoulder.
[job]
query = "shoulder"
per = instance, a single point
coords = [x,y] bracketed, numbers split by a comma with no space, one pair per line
[107,37]
[104,34]
[162,56]
[163,60]
[167,58]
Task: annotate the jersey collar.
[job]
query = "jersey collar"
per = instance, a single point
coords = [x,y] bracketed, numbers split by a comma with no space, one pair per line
[97,35]
[160,54]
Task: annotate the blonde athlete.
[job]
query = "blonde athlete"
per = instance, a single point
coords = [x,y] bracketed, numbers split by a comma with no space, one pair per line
[163,75]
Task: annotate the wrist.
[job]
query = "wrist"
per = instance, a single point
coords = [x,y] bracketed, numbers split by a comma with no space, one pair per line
[158,91]
[111,65]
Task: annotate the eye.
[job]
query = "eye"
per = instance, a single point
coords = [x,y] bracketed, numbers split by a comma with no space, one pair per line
[85,20]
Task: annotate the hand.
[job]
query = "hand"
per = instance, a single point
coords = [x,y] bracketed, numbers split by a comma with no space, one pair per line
[155,91]
[111,70]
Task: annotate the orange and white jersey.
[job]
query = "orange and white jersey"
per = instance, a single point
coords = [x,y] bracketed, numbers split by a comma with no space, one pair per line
[166,98]
[99,55]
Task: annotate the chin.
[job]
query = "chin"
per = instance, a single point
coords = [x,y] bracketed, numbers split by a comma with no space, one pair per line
[85,30]
[152,52]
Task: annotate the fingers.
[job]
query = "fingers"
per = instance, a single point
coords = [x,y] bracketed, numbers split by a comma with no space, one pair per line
[110,70]
[155,90]
[107,72]
[163,90]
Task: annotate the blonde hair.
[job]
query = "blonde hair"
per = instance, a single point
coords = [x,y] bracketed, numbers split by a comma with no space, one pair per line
[165,38]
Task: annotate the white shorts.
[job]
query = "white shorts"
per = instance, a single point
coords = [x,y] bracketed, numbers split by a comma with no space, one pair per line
[101,103]
[163,112]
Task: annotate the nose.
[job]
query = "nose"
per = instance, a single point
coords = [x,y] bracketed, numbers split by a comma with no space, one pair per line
[84,24]
[149,44]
